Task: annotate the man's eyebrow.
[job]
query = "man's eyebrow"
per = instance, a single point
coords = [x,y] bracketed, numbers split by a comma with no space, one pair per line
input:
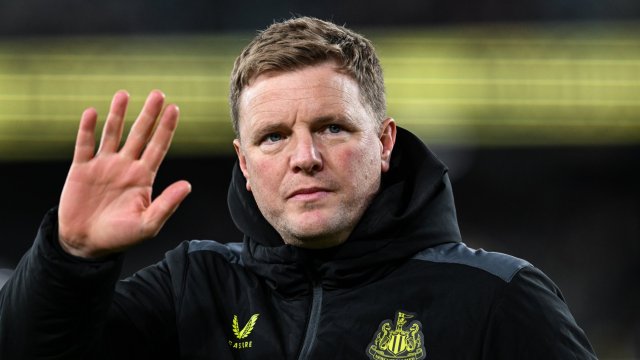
[261,129]
[324,119]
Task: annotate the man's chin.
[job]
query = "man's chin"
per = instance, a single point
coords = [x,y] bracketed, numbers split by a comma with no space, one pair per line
[311,238]
[318,229]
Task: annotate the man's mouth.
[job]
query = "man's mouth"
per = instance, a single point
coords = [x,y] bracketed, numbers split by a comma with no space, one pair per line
[308,194]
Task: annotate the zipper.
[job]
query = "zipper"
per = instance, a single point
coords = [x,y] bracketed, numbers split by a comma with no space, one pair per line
[312,325]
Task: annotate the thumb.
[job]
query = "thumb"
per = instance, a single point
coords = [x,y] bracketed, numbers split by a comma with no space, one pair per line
[165,205]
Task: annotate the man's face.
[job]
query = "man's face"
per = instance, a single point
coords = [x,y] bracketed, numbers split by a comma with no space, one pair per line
[311,152]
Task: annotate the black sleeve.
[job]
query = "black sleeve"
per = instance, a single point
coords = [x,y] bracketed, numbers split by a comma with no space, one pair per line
[57,306]
[532,321]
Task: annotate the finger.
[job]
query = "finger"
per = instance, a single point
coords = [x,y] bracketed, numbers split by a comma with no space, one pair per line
[164,206]
[85,140]
[112,131]
[143,126]
[161,140]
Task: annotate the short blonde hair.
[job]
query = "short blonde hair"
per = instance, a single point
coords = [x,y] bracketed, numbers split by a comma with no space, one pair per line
[307,41]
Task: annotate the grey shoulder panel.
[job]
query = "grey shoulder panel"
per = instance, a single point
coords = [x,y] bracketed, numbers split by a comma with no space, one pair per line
[230,251]
[501,265]
[5,274]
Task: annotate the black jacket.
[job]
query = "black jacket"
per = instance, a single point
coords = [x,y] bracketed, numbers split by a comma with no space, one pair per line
[402,286]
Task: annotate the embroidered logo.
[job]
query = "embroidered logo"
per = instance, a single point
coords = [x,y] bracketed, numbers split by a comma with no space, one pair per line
[244,333]
[398,343]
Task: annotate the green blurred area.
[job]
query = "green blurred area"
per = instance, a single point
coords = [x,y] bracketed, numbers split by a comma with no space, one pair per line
[491,85]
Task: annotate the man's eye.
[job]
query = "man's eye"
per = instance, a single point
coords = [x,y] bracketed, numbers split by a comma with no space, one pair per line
[334,129]
[273,137]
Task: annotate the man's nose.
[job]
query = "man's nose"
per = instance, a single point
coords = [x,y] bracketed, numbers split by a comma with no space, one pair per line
[306,156]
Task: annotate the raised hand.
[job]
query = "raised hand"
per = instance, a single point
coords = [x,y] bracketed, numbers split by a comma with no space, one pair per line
[106,203]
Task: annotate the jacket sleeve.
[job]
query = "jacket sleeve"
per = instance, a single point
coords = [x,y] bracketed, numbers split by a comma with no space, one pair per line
[57,306]
[532,321]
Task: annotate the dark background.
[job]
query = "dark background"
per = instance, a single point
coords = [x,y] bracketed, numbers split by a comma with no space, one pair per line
[24,17]
[573,211]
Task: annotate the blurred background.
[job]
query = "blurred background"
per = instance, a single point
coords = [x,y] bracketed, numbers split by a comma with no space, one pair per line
[534,106]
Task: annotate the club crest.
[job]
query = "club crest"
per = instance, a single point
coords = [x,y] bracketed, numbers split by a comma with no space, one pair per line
[404,341]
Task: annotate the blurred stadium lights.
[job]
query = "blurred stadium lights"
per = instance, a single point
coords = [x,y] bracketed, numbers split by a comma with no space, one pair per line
[485,85]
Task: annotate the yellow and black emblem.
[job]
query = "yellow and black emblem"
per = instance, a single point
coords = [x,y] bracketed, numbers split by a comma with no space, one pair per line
[398,343]
[244,333]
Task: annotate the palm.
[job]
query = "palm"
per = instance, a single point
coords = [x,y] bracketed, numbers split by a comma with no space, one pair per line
[106,198]
[106,203]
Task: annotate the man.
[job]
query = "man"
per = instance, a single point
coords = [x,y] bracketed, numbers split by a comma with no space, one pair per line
[351,247]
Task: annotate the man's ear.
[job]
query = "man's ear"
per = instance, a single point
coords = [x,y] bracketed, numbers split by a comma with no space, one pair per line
[242,161]
[388,140]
